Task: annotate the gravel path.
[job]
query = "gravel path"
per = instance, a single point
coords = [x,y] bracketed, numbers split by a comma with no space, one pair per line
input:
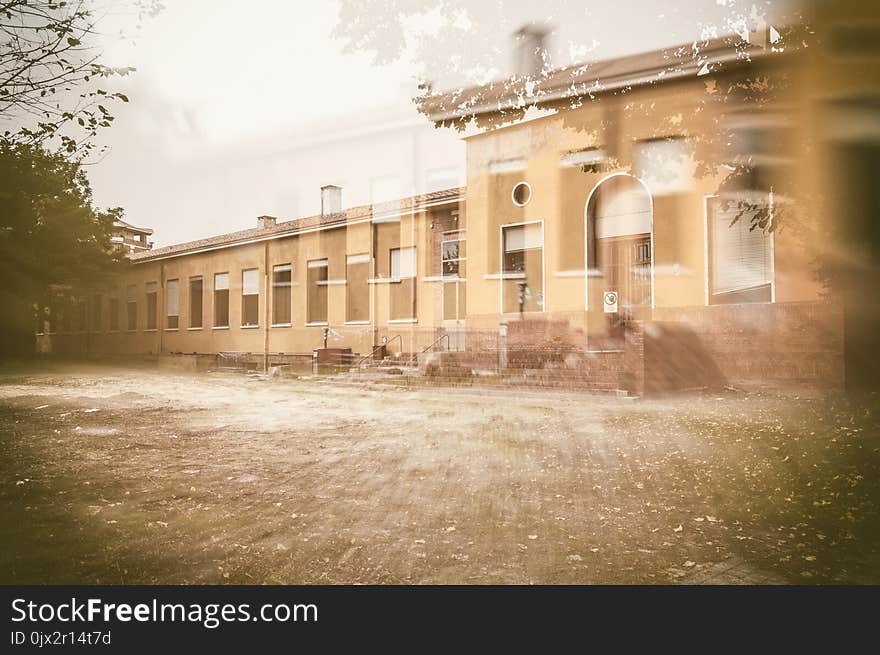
[136,476]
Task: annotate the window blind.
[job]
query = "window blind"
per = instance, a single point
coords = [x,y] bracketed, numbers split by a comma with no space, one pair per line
[522,237]
[250,282]
[740,256]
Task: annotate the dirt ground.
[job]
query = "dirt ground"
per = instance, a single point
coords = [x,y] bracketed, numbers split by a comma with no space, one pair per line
[114,475]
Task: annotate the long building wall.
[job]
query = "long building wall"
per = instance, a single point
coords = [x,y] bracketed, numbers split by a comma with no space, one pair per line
[357,300]
[365,304]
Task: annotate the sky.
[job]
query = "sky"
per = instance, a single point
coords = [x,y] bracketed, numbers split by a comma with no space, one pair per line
[232,102]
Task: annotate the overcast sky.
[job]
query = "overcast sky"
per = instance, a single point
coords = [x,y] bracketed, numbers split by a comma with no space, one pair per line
[224,90]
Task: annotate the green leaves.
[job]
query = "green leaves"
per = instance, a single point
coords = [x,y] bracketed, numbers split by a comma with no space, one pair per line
[49,45]
[51,232]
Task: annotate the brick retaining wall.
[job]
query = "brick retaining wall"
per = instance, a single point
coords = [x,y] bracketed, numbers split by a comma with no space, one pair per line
[749,346]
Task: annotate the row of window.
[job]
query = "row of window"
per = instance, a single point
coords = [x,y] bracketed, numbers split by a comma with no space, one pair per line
[402,266]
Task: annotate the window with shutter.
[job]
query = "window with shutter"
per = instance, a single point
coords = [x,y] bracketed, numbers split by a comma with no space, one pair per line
[741,268]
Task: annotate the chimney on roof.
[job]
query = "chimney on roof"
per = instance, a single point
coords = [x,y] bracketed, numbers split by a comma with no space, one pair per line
[331,199]
[529,50]
[266,221]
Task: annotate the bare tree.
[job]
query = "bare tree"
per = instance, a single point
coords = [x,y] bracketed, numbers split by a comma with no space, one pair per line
[51,76]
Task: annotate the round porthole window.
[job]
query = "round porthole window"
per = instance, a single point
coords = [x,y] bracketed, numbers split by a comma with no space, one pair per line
[521,194]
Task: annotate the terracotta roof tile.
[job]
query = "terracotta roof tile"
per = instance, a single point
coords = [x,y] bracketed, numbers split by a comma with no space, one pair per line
[517,93]
[293,226]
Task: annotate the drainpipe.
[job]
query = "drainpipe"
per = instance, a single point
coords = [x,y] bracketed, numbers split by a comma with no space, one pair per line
[266,307]
[160,300]
[373,287]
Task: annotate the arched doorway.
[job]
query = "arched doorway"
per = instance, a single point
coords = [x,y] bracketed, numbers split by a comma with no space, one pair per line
[618,253]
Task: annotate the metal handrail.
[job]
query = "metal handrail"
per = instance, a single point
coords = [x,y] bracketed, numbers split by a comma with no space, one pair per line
[445,335]
[381,345]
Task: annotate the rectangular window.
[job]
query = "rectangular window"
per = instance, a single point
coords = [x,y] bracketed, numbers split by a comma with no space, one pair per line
[250,297]
[152,304]
[97,313]
[131,308]
[518,239]
[172,304]
[281,289]
[316,279]
[82,315]
[357,300]
[523,267]
[196,302]
[454,301]
[403,263]
[590,160]
[221,299]
[114,311]
[740,266]
[665,165]
[452,253]
[402,296]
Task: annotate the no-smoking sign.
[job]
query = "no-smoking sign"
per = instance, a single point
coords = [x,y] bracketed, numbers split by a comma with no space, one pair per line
[609,300]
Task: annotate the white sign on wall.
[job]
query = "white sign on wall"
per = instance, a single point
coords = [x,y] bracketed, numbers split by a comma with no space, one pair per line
[609,300]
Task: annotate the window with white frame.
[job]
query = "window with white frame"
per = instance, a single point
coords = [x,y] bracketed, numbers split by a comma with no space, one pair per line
[317,274]
[517,240]
[403,263]
[452,253]
[221,299]
[740,254]
[172,304]
[664,165]
[281,290]
[357,295]
[250,297]
[522,267]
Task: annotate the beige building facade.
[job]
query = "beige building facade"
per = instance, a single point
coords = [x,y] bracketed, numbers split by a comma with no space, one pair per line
[648,200]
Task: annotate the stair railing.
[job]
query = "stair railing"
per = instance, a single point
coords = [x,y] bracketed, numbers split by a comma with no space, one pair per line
[381,345]
[415,357]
